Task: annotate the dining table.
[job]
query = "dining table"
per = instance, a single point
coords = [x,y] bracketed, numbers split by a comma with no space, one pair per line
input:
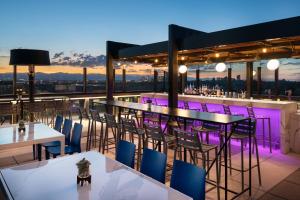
[35,133]
[56,179]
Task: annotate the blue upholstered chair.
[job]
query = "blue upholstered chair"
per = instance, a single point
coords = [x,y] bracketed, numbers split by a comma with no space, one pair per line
[74,146]
[66,131]
[125,153]
[154,165]
[58,123]
[188,179]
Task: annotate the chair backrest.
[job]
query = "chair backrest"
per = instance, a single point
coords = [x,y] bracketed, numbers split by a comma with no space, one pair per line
[154,132]
[226,109]
[110,120]
[95,115]
[128,126]
[186,105]
[154,164]
[188,179]
[251,112]
[58,123]
[187,140]
[125,153]
[76,137]
[204,107]
[212,126]
[67,130]
[243,127]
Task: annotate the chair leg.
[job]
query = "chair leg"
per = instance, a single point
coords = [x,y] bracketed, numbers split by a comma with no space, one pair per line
[257,160]
[39,152]
[47,155]
[101,137]
[242,164]
[263,132]
[139,152]
[218,174]
[229,149]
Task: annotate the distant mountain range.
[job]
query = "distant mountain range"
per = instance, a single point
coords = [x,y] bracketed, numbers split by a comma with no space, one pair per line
[67,77]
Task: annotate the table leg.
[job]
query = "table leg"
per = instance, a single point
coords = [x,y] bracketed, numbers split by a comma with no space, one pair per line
[62,146]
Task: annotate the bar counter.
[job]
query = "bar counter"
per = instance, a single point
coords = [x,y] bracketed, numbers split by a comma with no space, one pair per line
[280,113]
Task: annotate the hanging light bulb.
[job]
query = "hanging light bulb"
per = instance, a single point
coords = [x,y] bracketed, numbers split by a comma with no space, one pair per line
[254,72]
[182,69]
[156,60]
[220,67]
[135,62]
[273,64]
[264,50]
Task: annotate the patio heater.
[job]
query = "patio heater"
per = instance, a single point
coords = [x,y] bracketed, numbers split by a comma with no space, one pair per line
[31,58]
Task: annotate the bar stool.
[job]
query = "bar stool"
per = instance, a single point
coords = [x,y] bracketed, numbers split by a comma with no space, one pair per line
[92,136]
[207,128]
[111,123]
[227,111]
[205,109]
[129,127]
[154,133]
[240,132]
[190,141]
[252,114]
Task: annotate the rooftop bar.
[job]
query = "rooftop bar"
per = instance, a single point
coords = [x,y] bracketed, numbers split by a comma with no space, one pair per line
[158,145]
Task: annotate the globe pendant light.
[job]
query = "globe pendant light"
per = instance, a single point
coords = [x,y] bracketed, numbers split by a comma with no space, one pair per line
[254,72]
[182,69]
[221,67]
[273,64]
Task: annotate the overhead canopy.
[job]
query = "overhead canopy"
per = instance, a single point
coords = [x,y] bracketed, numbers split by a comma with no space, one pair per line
[275,39]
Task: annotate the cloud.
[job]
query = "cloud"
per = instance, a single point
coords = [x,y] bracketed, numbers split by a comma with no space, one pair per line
[78,59]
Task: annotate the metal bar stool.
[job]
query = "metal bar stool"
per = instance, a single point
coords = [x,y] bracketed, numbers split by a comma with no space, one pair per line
[205,109]
[207,128]
[92,136]
[111,123]
[129,126]
[191,142]
[240,131]
[252,114]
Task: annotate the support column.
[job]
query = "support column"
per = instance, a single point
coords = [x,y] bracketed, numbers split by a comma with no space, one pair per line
[15,81]
[173,68]
[229,80]
[84,88]
[258,81]
[197,78]
[155,77]
[276,90]
[114,78]
[249,79]
[109,72]
[123,80]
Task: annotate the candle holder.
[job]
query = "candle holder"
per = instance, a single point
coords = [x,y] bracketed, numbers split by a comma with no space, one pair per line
[83,172]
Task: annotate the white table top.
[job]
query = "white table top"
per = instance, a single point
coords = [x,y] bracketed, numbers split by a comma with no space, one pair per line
[35,133]
[56,179]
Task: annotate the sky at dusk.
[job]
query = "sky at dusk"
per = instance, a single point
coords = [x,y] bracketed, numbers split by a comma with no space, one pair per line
[83,26]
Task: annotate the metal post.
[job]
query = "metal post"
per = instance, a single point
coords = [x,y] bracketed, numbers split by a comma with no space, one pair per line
[258,81]
[173,68]
[15,81]
[164,84]
[31,75]
[124,80]
[84,88]
[114,78]
[276,82]
[155,77]
[249,79]
[229,80]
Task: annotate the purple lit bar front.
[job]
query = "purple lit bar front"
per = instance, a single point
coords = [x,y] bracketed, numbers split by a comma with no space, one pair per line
[274,115]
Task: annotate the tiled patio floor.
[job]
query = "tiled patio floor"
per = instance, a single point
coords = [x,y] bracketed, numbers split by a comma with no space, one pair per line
[280,173]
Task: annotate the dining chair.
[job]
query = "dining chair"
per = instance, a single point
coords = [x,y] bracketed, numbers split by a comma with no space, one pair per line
[75,144]
[125,153]
[66,131]
[188,179]
[154,164]
[58,123]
